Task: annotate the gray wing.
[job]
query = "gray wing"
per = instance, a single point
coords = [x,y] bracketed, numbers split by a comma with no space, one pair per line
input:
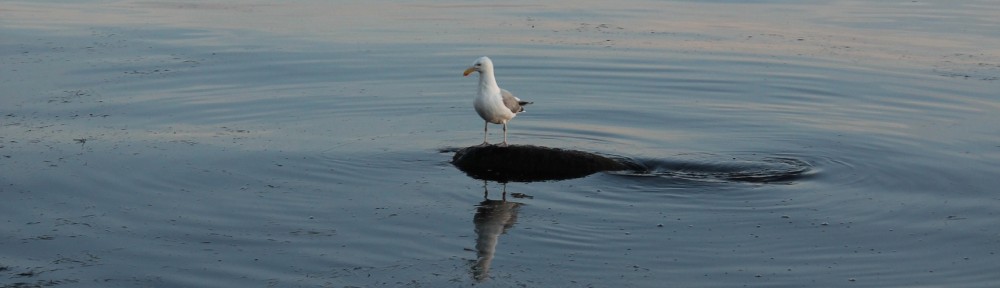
[513,103]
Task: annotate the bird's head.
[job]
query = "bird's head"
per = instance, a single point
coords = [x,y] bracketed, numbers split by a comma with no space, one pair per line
[482,64]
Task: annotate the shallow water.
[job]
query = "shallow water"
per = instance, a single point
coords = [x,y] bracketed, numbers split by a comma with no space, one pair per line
[308,144]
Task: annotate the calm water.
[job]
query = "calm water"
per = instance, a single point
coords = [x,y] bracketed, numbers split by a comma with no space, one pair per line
[252,144]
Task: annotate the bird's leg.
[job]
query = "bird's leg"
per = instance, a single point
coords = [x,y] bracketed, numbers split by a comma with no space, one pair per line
[486,126]
[504,144]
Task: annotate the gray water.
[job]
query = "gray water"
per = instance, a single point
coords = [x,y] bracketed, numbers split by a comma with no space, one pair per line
[255,144]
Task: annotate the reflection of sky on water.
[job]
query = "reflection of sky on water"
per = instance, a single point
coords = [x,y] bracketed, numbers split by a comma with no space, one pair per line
[853,32]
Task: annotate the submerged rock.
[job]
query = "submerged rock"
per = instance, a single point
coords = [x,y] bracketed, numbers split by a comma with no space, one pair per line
[527,163]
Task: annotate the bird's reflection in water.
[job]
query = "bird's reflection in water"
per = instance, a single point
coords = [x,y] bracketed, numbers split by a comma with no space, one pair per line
[493,217]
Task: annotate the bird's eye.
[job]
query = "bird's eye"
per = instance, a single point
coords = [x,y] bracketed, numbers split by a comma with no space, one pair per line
[478,64]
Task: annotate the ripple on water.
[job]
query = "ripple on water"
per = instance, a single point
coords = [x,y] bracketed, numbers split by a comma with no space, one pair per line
[717,168]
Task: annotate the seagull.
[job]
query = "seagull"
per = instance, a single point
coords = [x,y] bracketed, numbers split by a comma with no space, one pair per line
[493,104]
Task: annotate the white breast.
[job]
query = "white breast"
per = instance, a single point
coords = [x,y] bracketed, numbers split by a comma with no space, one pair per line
[490,107]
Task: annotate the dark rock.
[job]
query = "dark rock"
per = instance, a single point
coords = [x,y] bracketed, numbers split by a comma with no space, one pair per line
[527,163]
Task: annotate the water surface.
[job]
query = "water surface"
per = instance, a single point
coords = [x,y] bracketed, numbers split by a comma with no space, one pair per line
[244,143]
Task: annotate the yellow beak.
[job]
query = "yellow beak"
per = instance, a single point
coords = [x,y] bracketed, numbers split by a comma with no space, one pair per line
[469,71]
